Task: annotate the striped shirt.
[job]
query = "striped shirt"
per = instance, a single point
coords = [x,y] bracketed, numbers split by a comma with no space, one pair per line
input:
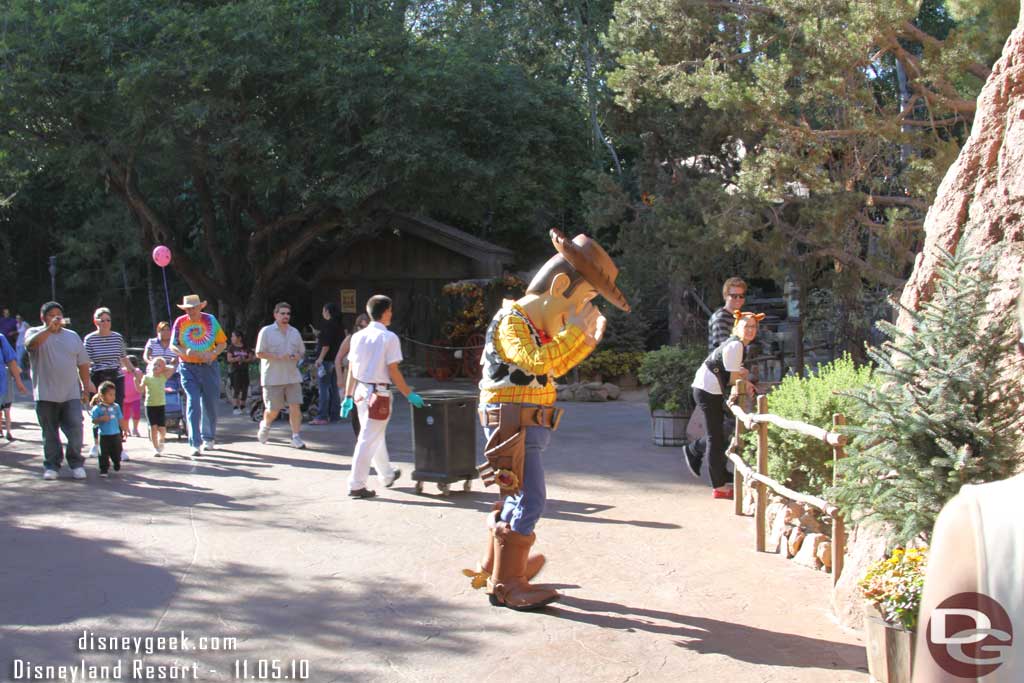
[719,328]
[156,349]
[105,352]
[514,343]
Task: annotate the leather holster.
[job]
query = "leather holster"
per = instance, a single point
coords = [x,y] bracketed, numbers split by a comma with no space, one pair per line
[506,448]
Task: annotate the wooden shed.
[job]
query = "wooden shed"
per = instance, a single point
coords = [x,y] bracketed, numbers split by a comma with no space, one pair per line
[409,261]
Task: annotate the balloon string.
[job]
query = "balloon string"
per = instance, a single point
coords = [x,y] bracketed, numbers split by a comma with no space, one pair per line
[167,296]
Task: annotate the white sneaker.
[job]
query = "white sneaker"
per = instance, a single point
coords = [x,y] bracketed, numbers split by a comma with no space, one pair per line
[208,446]
[94,451]
[297,441]
[156,453]
[124,457]
[195,453]
[160,450]
[78,473]
[236,411]
[263,434]
[49,475]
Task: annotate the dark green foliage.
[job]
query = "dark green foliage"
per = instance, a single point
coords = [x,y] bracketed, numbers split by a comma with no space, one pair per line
[941,413]
[801,462]
[669,372]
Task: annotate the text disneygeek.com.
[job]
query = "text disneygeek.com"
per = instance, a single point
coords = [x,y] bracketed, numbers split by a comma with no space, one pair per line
[134,666]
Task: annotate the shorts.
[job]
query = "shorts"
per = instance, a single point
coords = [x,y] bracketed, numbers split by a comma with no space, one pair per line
[157,416]
[131,410]
[277,396]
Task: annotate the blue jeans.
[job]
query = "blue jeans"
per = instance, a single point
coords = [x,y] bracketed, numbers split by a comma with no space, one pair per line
[66,417]
[523,510]
[201,382]
[330,401]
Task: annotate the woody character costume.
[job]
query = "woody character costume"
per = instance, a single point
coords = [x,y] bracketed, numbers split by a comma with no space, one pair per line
[529,342]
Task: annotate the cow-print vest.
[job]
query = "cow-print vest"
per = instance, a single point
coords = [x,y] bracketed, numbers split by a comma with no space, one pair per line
[499,374]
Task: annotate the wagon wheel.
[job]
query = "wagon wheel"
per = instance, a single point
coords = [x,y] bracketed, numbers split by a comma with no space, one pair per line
[440,362]
[471,356]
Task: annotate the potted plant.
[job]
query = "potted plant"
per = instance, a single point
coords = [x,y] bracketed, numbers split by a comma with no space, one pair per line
[669,372]
[892,588]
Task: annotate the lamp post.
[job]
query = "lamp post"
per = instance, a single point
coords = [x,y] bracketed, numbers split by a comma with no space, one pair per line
[53,278]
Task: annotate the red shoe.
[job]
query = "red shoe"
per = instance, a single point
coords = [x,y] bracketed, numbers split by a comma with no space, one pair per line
[722,493]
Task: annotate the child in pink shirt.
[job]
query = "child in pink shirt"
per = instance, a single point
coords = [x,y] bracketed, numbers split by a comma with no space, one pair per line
[133,399]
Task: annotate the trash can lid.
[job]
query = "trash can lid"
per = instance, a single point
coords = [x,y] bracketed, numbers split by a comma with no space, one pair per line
[435,395]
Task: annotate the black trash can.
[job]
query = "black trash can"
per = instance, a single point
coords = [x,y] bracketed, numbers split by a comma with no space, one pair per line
[444,434]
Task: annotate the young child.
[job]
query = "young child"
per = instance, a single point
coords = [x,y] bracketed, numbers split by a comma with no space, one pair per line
[239,358]
[132,398]
[107,416]
[153,385]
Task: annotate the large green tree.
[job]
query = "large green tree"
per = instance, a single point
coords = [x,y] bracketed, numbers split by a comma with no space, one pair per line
[251,136]
[810,134]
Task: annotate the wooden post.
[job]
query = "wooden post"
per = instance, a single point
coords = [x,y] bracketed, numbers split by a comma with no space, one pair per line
[838,525]
[737,477]
[762,468]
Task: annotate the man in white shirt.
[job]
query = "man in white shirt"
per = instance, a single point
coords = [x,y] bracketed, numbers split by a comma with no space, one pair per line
[279,347]
[373,359]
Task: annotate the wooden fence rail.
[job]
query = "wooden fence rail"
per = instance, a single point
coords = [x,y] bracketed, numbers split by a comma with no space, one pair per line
[743,473]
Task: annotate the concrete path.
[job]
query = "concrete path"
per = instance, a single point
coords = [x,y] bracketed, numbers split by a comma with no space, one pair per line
[257,551]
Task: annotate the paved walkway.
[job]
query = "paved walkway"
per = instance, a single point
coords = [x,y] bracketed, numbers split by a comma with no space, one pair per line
[260,544]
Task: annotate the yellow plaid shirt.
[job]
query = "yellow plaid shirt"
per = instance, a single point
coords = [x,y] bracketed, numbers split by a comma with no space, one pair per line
[515,344]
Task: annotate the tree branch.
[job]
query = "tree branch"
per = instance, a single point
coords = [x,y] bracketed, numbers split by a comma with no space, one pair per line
[908,30]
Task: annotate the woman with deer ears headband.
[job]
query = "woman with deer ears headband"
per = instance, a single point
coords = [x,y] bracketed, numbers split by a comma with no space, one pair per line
[720,370]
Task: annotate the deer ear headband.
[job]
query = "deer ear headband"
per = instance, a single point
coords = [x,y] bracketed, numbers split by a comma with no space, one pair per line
[742,314]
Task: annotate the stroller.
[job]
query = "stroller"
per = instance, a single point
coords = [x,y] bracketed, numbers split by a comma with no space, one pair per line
[174,413]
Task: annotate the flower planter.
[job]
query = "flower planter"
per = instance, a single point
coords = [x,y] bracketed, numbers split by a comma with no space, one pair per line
[890,648]
[668,428]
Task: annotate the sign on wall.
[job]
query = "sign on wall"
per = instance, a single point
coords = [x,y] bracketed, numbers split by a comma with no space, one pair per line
[348,301]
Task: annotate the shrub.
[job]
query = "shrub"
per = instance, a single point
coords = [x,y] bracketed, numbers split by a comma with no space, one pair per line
[942,413]
[802,462]
[612,363]
[669,371]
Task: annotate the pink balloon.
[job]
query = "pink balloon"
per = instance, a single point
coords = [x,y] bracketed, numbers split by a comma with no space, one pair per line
[161,255]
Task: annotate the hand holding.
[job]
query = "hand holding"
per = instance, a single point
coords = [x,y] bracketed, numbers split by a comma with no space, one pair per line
[346,406]
[585,318]
[415,399]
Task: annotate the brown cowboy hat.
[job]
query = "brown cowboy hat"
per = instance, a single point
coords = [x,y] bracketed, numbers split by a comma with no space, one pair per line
[592,262]
[191,301]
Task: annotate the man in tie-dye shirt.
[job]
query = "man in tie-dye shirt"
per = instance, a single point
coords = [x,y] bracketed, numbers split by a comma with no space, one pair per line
[197,339]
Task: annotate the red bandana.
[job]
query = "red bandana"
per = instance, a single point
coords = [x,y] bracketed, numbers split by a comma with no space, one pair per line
[541,334]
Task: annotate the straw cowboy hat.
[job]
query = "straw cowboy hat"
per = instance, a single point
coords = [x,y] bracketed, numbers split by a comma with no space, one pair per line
[191,301]
[592,262]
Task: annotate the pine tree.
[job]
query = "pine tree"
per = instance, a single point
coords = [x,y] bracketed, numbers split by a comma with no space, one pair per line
[941,413]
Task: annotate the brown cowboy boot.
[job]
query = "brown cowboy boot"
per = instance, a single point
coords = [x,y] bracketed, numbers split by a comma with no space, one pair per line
[508,585]
[485,567]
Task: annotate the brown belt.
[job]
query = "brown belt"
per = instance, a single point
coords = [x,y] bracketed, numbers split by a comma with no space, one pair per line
[529,416]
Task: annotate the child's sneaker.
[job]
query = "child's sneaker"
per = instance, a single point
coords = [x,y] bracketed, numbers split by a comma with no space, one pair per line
[124,457]
[156,453]
[104,475]
[117,465]
[94,451]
